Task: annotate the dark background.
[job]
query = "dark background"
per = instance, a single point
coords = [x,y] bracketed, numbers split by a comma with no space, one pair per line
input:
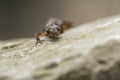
[23,18]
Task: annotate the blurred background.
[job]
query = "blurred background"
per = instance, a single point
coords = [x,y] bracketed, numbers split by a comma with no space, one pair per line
[23,18]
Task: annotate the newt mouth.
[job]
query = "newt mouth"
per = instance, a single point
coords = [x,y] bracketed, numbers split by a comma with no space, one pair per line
[53,35]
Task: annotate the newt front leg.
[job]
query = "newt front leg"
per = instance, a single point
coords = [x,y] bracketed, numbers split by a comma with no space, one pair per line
[40,37]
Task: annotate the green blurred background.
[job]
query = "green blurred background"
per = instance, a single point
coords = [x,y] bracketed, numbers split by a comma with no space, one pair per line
[23,18]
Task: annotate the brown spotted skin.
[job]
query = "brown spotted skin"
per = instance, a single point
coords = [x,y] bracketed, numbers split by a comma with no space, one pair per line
[67,25]
[53,29]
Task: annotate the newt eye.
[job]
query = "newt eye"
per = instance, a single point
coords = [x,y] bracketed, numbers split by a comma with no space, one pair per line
[48,32]
[59,29]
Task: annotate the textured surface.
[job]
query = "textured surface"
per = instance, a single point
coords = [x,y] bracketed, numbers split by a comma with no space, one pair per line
[87,52]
